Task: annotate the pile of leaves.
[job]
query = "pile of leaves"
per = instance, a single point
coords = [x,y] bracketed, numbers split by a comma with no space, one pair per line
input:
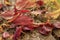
[23,18]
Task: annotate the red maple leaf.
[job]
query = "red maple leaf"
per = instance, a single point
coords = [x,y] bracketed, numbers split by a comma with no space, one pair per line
[46,28]
[23,20]
[17,33]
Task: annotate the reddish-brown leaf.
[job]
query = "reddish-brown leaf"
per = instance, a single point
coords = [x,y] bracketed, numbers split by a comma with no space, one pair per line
[23,20]
[7,14]
[46,28]
[40,2]
[17,33]
[1,6]
[28,27]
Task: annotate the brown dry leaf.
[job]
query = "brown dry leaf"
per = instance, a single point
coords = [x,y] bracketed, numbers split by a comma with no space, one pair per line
[37,36]
[1,29]
[25,37]
[1,38]
[57,32]
[48,37]
[7,3]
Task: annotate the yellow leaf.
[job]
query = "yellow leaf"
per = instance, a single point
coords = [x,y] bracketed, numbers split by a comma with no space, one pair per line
[0,38]
[54,14]
[8,3]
